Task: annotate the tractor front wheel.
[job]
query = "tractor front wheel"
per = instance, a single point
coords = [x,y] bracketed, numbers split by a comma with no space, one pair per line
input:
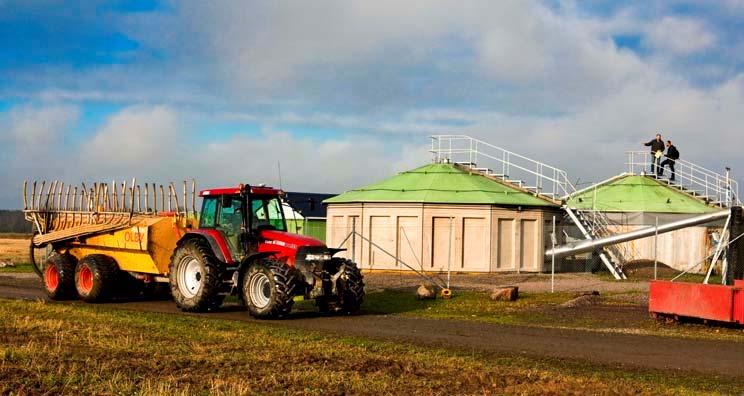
[350,289]
[95,277]
[58,275]
[268,288]
[195,277]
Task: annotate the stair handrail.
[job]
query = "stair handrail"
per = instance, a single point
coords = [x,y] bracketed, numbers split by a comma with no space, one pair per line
[724,188]
[442,148]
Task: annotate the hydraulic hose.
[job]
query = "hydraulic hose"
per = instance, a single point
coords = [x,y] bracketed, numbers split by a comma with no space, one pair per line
[31,255]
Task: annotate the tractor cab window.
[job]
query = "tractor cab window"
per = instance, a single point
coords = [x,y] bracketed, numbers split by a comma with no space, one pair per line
[267,213]
[209,209]
[230,221]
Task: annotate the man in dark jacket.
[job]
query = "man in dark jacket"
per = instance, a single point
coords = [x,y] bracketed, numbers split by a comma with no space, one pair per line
[671,156]
[657,150]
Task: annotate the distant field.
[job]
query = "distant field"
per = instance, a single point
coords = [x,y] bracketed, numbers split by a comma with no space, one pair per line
[14,248]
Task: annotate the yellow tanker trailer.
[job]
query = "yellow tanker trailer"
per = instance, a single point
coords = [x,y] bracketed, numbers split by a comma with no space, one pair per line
[95,235]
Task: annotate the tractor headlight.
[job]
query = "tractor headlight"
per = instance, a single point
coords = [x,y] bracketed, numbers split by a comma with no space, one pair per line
[318,257]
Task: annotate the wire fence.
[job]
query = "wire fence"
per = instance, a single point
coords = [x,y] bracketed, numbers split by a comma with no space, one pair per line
[449,244]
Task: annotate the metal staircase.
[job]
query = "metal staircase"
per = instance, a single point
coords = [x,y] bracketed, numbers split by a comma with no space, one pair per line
[546,182]
[713,188]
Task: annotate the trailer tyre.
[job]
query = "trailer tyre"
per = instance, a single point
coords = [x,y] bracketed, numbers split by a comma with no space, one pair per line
[268,288]
[195,277]
[95,278]
[58,276]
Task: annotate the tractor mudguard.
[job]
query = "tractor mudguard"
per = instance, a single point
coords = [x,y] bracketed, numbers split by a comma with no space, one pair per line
[216,242]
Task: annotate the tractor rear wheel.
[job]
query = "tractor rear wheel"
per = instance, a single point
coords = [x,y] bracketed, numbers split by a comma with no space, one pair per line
[195,277]
[268,288]
[95,277]
[58,276]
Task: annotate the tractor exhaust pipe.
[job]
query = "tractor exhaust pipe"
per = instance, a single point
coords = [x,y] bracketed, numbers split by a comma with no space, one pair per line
[594,244]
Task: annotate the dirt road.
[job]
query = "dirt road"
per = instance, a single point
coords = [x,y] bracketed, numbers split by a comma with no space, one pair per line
[624,350]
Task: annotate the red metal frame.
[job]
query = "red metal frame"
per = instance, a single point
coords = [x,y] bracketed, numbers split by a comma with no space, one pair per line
[236,190]
[695,300]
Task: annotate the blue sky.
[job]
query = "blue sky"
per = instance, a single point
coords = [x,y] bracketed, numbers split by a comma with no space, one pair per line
[346,92]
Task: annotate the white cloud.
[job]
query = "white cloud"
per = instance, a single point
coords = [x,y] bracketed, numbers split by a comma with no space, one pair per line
[155,144]
[681,36]
[29,126]
[33,145]
[135,138]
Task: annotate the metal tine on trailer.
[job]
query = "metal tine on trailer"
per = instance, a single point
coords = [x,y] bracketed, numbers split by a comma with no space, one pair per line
[95,196]
[124,196]
[33,196]
[131,198]
[185,210]
[154,199]
[49,195]
[59,195]
[106,207]
[162,198]
[74,202]
[147,198]
[114,196]
[139,198]
[91,202]
[82,199]
[25,198]
[175,196]
[170,206]
[41,194]
[67,204]
[178,204]
[193,196]
[67,197]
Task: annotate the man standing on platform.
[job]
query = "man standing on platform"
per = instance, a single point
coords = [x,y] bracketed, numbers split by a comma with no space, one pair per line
[672,155]
[657,151]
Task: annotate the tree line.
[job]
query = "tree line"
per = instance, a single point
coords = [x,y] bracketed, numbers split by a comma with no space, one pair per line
[13,221]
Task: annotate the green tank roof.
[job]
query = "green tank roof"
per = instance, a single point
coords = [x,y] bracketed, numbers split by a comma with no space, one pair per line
[633,193]
[441,183]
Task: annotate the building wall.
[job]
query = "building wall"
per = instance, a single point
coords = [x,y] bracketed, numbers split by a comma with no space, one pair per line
[678,249]
[433,237]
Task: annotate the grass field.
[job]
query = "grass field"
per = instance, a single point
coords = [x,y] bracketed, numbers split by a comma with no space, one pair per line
[70,349]
[615,312]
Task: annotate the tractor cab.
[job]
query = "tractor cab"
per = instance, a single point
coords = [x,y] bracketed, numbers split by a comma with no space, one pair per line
[240,215]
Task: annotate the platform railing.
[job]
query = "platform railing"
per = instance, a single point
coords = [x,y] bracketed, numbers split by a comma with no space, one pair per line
[497,161]
[719,189]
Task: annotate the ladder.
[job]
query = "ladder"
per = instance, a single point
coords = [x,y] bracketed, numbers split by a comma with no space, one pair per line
[535,177]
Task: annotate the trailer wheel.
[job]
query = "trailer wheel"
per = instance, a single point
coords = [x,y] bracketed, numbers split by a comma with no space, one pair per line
[95,278]
[58,276]
[195,277]
[268,288]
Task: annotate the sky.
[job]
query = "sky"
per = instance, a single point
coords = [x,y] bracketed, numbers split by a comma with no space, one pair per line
[344,93]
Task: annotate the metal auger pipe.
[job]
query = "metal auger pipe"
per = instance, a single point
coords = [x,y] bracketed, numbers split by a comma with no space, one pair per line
[593,244]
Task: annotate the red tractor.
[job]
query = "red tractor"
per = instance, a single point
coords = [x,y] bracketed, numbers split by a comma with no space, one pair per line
[242,246]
